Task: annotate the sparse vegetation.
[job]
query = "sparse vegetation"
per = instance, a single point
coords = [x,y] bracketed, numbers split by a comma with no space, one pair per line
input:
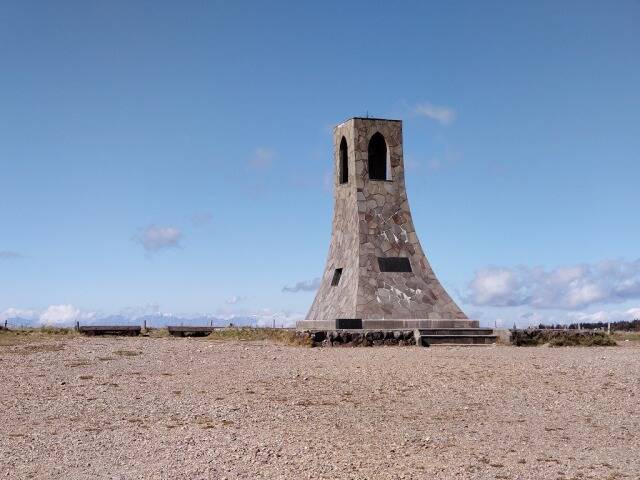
[626,326]
[626,336]
[561,338]
[39,331]
[602,340]
[55,331]
[127,353]
[156,332]
[14,337]
[276,335]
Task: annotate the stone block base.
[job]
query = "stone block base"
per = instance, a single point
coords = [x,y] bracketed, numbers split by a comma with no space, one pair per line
[388,324]
[358,338]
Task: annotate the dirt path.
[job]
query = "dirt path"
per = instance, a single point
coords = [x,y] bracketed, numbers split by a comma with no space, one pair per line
[195,409]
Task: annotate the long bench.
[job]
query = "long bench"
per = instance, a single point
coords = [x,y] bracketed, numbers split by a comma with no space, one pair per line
[127,330]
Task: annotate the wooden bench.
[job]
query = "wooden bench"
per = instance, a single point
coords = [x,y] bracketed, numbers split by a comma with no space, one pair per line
[189,331]
[127,330]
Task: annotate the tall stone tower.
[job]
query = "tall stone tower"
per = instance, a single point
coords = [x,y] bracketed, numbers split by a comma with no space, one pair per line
[377,275]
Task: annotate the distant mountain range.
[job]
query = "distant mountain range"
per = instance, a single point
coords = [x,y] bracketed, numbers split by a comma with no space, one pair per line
[154,321]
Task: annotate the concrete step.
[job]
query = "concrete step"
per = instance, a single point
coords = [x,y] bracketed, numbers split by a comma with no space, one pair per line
[455,331]
[452,336]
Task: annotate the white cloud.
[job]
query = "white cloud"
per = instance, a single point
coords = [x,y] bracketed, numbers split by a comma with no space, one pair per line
[233,300]
[262,159]
[267,318]
[494,286]
[571,287]
[140,311]
[262,317]
[605,316]
[154,238]
[54,315]
[9,255]
[524,317]
[67,315]
[443,115]
[58,315]
[18,313]
[303,286]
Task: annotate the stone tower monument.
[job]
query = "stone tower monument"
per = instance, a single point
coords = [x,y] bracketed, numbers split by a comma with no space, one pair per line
[377,275]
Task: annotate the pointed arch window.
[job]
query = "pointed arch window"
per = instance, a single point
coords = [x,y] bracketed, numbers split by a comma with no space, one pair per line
[344,161]
[378,157]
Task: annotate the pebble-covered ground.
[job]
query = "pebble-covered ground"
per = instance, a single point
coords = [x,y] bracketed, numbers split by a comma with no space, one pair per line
[152,408]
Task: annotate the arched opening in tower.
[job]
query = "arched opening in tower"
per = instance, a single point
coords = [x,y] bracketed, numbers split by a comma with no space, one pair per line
[377,157]
[344,161]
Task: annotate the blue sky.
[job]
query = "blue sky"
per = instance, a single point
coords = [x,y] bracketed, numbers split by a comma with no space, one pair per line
[176,156]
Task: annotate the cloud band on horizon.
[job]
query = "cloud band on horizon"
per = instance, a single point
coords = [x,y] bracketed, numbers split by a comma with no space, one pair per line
[572,287]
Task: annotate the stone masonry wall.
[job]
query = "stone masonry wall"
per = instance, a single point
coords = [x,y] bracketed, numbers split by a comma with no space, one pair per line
[372,219]
[340,302]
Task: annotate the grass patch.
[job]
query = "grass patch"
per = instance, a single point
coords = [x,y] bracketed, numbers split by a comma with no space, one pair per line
[561,338]
[276,335]
[56,331]
[626,336]
[12,337]
[127,353]
[157,332]
[583,341]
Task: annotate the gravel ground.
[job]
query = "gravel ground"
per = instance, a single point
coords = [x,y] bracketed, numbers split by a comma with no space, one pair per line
[153,408]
